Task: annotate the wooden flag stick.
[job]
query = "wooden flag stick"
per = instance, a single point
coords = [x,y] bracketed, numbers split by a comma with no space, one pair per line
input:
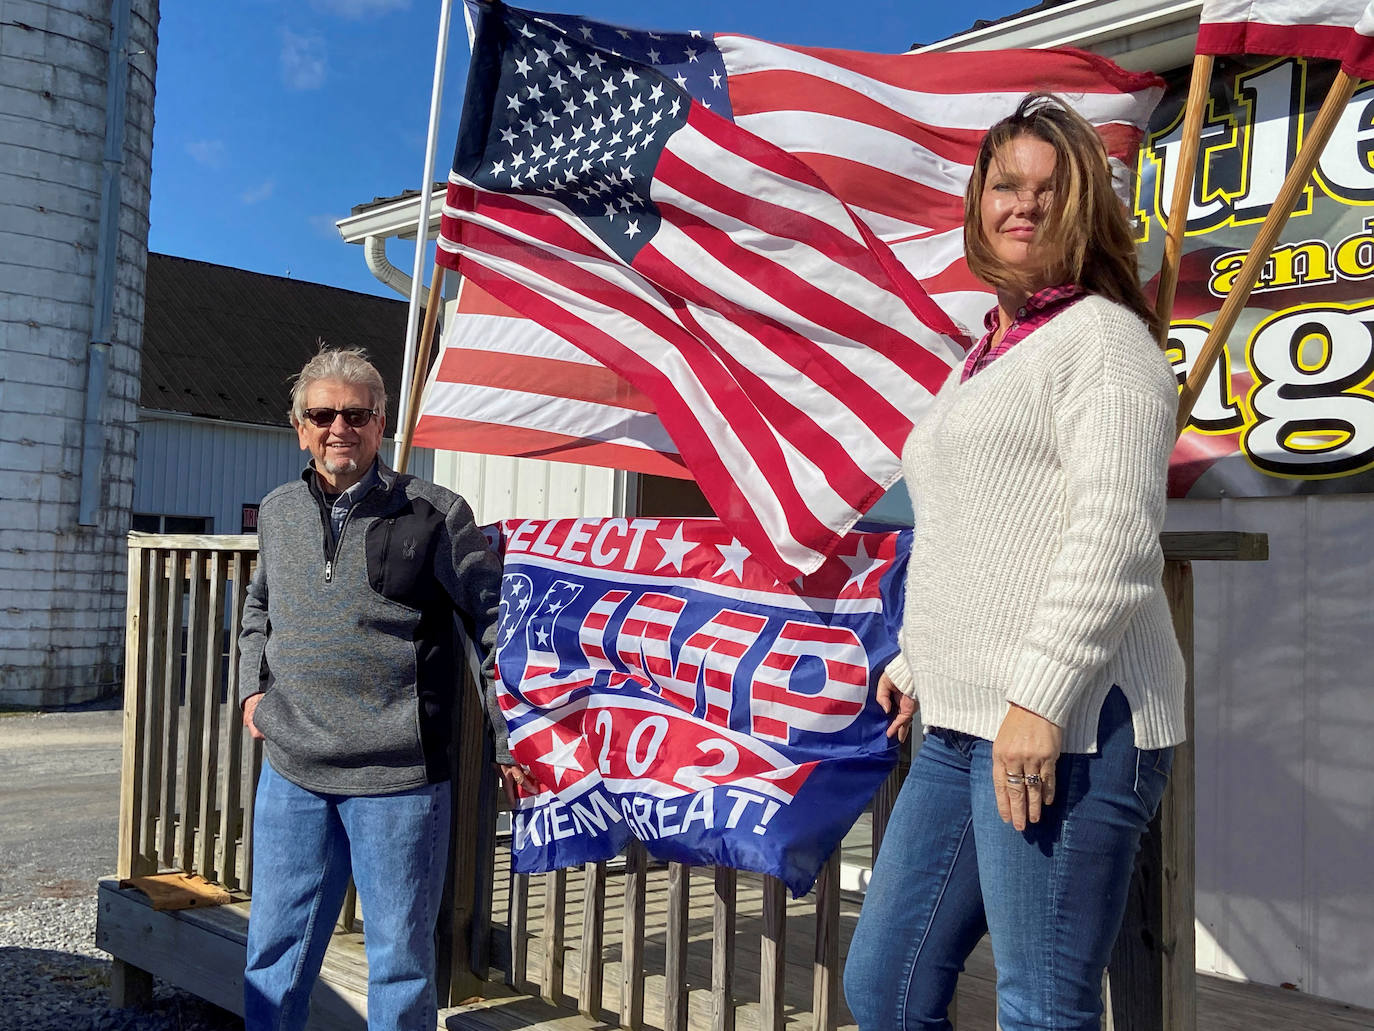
[1188,146]
[418,373]
[1336,99]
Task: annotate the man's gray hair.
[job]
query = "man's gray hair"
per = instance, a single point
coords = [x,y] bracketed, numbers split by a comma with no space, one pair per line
[346,365]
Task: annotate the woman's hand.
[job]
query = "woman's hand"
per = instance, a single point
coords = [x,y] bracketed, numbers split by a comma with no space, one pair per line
[1023,758]
[900,726]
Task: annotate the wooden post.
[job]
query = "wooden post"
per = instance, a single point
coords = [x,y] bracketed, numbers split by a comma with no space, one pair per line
[1177,832]
[170,702]
[825,981]
[130,986]
[460,905]
[517,920]
[773,956]
[675,940]
[723,951]
[1152,980]
[434,301]
[131,860]
[1198,89]
[231,787]
[555,903]
[197,630]
[211,640]
[632,939]
[593,928]
[1342,89]
[155,651]
[1152,983]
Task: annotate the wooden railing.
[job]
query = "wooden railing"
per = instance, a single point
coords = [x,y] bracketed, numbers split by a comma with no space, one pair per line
[189,767]
[186,802]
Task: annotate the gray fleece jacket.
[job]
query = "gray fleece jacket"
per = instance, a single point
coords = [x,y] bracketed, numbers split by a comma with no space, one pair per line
[356,644]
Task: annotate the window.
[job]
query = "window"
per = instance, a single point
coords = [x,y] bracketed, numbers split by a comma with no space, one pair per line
[144,523]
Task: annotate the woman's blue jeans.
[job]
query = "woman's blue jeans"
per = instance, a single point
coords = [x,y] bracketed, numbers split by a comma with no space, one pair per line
[1051,897]
[305,845]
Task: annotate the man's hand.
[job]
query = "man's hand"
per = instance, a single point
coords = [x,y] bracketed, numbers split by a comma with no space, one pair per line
[513,778]
[1023,759]
[250,705]
[900,726]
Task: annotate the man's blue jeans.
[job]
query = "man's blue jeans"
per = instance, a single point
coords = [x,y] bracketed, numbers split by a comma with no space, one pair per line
[1052,897]
[304,846]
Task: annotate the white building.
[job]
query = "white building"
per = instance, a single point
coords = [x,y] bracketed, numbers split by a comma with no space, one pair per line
[220,346]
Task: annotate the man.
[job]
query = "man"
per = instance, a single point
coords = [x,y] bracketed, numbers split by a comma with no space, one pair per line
[349,660]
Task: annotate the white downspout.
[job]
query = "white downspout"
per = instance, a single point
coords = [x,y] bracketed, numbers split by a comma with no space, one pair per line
[374,249]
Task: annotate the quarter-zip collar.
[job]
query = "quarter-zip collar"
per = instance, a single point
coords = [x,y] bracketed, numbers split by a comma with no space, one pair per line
[334,515]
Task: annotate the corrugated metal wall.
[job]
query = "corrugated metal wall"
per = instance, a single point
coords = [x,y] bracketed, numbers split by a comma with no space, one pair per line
[498,487]
[203,467]
[1285,745]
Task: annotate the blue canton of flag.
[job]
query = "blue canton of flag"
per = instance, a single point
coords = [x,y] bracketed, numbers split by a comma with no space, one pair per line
[586,126]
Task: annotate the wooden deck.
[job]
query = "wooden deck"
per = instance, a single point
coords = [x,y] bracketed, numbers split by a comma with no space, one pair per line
[202,951]
[684,958]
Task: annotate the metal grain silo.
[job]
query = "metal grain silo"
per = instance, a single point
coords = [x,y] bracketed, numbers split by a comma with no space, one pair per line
[76,124]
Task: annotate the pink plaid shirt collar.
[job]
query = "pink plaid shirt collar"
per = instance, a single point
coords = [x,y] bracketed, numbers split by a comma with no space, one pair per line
[1039,308]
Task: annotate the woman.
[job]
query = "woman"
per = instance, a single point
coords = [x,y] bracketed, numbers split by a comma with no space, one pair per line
[1036,637]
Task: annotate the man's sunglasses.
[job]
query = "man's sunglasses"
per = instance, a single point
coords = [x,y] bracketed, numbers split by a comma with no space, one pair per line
[355,417]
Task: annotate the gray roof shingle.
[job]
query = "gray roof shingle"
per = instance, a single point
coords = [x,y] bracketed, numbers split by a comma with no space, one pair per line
[223,343]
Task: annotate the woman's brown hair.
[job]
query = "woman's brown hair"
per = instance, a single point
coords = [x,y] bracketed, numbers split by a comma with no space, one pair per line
[1085,230]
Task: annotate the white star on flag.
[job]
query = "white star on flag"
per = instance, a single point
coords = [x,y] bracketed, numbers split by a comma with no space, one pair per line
[734,555]
[861,565]
[562,757]
[675,549]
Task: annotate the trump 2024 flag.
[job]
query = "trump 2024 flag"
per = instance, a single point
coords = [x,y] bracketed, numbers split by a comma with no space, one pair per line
[661,684]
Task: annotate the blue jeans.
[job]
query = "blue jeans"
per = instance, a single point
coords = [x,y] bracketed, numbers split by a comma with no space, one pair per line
[304,846]
[1052,897]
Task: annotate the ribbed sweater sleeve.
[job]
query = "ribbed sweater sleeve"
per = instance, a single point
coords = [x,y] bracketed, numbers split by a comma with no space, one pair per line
[1114,446]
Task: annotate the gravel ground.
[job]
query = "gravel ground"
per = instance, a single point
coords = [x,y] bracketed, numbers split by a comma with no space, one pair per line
[59,788]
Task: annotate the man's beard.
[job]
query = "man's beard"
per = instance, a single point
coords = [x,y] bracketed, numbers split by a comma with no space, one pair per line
[334,466]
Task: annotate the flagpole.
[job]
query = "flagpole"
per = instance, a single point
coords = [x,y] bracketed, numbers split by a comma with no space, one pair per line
[1185,172]
[1332,107]
[422,225]
[417,380]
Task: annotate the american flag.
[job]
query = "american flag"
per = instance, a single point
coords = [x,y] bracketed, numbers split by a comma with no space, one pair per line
[660,201]
[1337,30]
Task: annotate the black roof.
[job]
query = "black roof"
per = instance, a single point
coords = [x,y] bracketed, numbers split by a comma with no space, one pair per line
[223,343]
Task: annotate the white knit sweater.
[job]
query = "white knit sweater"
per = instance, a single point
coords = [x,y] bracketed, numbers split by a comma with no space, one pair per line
[1039,491]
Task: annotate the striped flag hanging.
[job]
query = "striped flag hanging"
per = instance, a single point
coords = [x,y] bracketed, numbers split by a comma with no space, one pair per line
[1290,28]
[749,268]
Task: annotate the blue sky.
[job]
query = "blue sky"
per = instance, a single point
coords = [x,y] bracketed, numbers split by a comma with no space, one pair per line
[275,117]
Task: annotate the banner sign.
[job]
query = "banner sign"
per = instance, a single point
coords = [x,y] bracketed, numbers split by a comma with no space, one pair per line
[1290,407]
[661,684]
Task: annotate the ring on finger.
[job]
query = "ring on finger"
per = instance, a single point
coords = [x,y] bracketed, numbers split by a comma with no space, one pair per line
[1034,780]
[1015,779]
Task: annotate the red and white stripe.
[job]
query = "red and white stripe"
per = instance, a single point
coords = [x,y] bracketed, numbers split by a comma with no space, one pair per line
[1283,28]
[893,138]
[790,399]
